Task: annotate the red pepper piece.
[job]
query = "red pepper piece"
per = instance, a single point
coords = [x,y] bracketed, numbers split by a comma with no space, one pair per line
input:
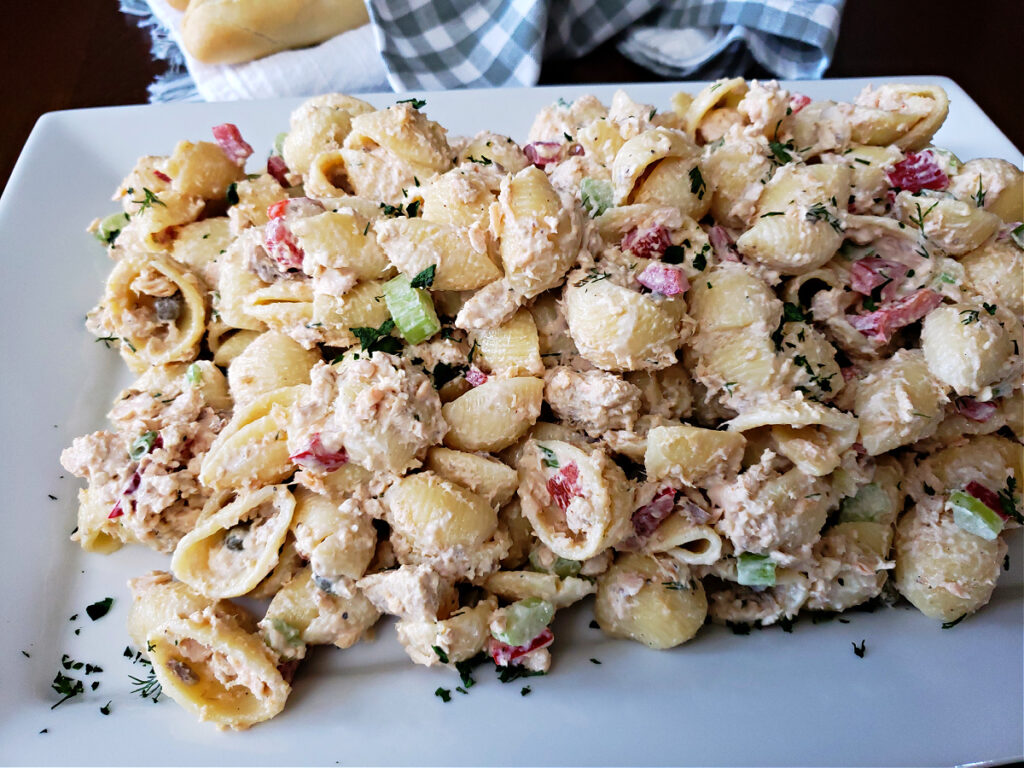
[647,242]
[917,171]
[564,485]
[231,141]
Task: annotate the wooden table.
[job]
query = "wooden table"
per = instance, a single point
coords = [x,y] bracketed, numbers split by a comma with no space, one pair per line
[88,54]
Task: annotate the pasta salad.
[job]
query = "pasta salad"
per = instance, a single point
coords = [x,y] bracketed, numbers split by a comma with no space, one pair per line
[744,357]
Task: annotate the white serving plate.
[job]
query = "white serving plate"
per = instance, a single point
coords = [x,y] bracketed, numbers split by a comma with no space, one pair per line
[920,696]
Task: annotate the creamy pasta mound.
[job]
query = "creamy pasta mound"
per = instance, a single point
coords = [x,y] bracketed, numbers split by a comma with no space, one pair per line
[744,357]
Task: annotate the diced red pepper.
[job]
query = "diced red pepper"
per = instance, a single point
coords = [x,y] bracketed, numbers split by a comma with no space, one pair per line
[917,171]
[281,245]
[868,274]
[278,209]
[664,279]
[231,141]
[564,485]
[797,102]
[883,322]
[986,497]
[543,153]
[162,176]
[316,457]
[646,242]
[722,242]
[647,519]
[475,376]
[971,409]
[277,168]
[287,669]
[504,654]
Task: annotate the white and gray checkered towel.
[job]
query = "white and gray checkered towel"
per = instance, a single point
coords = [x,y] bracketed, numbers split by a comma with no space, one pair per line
[441,44]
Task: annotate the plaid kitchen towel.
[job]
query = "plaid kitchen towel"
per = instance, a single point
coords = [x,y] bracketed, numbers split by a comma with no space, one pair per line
[441,44]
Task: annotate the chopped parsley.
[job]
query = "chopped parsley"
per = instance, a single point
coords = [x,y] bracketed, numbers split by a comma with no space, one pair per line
[697,185]
[66,687]
[443,373]
[441,655]
[772,213]
[595,661]
[954,622]
[482,160]
[700,261]
[526,691]
[676,586]
[859,650]
[394,211]
[99,609]
[378,339]
[780,152]
[593,624]
[990,308]
[443,694]
[674,254]
[968,316]
[1008,500]
[794,313]
[414,103]
[232,194]
[105,709]
[1017,236]
[424,278]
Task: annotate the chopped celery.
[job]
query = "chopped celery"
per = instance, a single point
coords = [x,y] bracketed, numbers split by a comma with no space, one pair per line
[596,196]
[279,142]
[412,310]
[110,227]
[194,374]
[869,505]
[524,620]
[945,155]
[564,568]
[291,634]
[975,516]
[755,570]
[1017,235]
[850,251]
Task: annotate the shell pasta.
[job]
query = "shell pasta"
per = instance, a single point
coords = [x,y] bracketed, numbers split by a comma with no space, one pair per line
[751,355]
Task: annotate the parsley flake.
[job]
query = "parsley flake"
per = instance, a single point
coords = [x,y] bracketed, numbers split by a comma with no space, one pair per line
[99,609]
[425,278]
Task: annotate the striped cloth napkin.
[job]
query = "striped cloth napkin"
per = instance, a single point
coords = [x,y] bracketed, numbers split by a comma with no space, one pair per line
[442,44]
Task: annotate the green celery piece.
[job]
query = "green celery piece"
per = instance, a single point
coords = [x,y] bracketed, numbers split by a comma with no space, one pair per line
[755,570]
[412,309]
[564,568]
[975,516]
[110,227]
[279,142]
[950,157]
[596,196]
[869,505]
[524,620]
[1017,235]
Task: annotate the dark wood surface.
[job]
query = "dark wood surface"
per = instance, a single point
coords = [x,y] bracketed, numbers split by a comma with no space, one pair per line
[91,55]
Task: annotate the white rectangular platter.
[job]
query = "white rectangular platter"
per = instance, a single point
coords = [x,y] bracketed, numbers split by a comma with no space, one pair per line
[919,696]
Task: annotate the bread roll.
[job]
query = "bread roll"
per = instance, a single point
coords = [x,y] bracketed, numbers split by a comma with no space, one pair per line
[233,31]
